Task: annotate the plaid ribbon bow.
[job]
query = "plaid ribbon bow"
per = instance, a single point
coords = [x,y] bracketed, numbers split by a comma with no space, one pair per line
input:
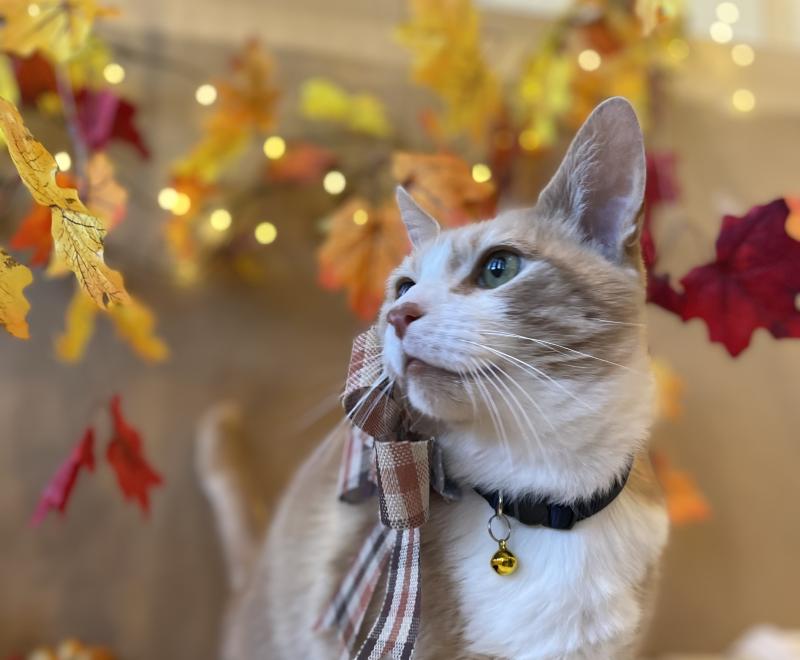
[382,455]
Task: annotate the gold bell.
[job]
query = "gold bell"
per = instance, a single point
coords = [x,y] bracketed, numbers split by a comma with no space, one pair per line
[504,562]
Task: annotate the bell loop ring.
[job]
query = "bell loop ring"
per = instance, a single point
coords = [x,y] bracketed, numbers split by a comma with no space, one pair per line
[504,520]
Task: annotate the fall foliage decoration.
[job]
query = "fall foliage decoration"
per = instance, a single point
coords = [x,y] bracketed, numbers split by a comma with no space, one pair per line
[14,277]
[70,649]
[685,502]
[323,100]
[124,453]
[77,234]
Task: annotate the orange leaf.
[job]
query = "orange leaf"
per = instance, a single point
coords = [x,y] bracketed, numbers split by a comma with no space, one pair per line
[793,219]
[77,235]
[685,502]
[363,245]
[105,196]
[14,277]
[669,389]
[302,163]
[443,185]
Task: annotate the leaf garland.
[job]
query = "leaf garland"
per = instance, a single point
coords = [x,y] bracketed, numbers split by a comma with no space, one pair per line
[14,277]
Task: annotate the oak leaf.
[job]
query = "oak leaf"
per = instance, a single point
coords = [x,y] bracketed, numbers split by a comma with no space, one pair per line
[14,277]
[58,491]
[58,28]
[363,245]
[125,453]
[443,185]
[77,235]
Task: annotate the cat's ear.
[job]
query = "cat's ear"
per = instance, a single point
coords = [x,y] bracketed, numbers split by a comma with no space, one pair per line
[420,226]
[599,187]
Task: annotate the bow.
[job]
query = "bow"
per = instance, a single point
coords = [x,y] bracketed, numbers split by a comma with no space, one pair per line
[382,454]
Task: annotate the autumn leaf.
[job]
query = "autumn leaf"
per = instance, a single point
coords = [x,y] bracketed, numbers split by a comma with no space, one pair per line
[793,220]
[14,277]
[135,476]
[34,233]
[363,245]
[58,28]
[56,495]
[81,315]
[103,116]
[685,502]
[218,150]
[443,185]
[105,197]
[248,99]
[753,282]
[302,163]
[322,100]
[77,235]
[669,389]
[444,38]
[134,322]
[545,95]
[652,13]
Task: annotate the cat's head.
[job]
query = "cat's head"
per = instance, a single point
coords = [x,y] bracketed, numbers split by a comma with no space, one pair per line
[511,319]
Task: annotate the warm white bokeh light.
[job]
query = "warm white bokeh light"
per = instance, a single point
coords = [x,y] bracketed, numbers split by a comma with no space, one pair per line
[743,100]
[206,94]
[721,32]
[220,219]
[265,233]
[167,198]
[727,12]
[743,55]
[481,173]
[334,182]
[182,204]
[360,217]
[63,160]
[589,60]
[274,147]
[114,73]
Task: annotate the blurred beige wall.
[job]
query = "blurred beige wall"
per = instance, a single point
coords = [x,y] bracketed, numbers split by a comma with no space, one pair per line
[154,589]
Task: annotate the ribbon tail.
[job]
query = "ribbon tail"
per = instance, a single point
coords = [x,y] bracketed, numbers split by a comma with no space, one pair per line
[346,610]
[395,631]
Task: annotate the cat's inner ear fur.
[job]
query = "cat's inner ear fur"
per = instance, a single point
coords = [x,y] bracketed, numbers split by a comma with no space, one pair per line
[599,187]
[420,226]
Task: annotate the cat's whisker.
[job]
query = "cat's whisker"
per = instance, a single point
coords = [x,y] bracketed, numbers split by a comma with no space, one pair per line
[635,325]
[566,348]
[511,398]
[491,406]
[534,371]
[356,413]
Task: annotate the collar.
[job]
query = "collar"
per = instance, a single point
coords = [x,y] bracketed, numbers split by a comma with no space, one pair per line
[535,510]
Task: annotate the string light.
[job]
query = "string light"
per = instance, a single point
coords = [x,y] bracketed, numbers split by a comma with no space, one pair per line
[721,32]
[63,161]
[182,204]
[481,173]
[34,10]
[265,233]
[113,73]
[589,60]
[678,49]
[274,147]
[360,217]
[220,219]
[743,55]
[727,12]
[334,182]
[167,198]
[206,94]
[743,100]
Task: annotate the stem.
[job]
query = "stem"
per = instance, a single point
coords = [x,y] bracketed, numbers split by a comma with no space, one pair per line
[71,116]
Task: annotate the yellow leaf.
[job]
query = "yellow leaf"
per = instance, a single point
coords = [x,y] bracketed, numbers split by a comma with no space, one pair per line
[14,277]
[77,235]
[135,323]
[321,99]
[669,389]
[79,326]
[8,81]
[58,28]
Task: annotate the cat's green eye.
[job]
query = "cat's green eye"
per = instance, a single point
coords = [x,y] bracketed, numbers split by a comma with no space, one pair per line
[498,268]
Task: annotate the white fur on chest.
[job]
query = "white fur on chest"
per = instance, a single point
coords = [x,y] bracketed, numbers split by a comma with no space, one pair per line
[574,594]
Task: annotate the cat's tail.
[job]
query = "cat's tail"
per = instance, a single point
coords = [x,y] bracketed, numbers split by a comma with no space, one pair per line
[224,472]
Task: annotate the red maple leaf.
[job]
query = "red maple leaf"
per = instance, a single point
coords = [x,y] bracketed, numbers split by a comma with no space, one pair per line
[753,282]
[56,494]
[35,76]
[103,116]
[135,476]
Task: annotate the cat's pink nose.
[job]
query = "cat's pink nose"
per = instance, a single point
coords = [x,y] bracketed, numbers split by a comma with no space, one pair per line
[403,316]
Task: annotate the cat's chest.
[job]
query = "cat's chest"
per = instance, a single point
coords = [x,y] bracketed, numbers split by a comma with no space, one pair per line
[572,589]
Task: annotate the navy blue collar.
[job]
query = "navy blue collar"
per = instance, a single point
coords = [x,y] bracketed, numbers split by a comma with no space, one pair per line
[540,511]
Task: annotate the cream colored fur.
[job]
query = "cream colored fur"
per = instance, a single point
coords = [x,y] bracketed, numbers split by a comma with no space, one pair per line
[565,428]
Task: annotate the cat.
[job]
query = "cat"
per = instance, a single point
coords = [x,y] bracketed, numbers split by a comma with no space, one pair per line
[522,339]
